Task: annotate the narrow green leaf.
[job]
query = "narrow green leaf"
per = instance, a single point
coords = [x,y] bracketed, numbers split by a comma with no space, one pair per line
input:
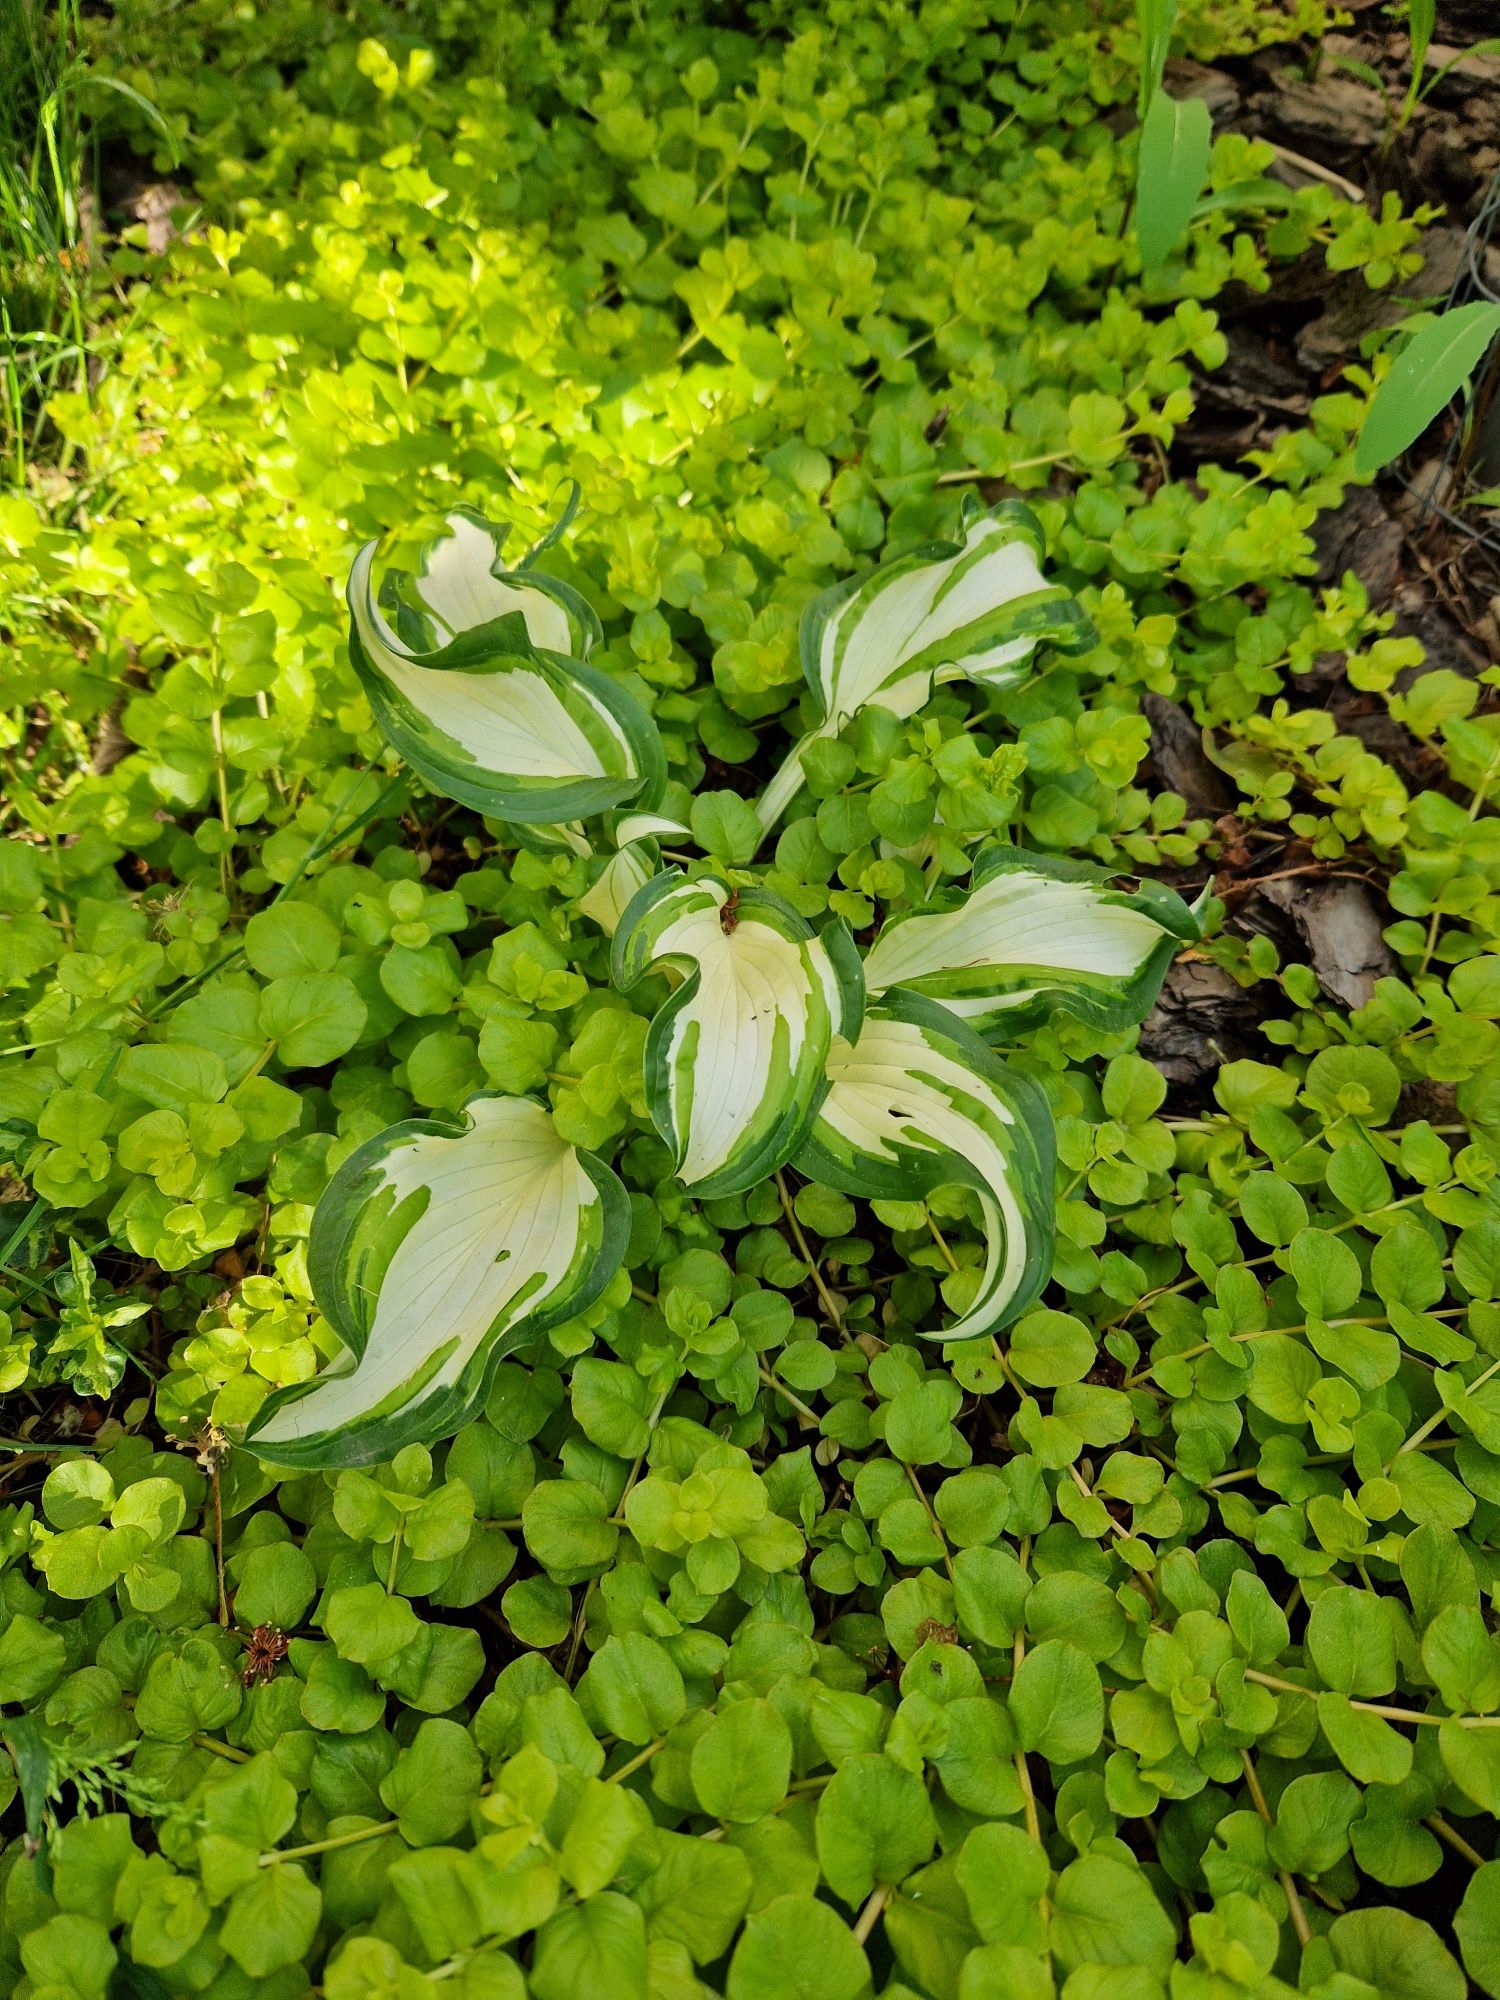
[1490,46]
[1155,19]
[33,1766]
[1258,193]
[1366,72]
[1176,141]
[1421,19]
[1435,364]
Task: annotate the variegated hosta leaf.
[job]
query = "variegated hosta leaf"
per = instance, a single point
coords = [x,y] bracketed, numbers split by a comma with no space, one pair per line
[1034,934]
[618,882]
[630,868]
[735,1058]
[439,1246]
[476,676]
[461,588]
[919,1101]
[633,826]
[554,837]
[971,610]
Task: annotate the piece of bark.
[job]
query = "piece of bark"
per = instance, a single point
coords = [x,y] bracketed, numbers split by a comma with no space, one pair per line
[1301,281]
[1255,394]
[1201,1021]
[1353,310]
[1336,120]
[1257,374]
[1444,640]
[1464,21]
[1429,485]
[1340,924]
[111,744]
[1448,161]
[1180,760]
[1360,536]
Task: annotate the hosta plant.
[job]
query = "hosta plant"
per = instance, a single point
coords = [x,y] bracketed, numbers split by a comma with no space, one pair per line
[444,1244]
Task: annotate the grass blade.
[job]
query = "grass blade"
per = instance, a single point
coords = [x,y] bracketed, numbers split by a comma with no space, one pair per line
[1421,18]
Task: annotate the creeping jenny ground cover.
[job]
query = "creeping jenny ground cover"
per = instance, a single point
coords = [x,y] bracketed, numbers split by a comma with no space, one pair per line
[750,1640]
